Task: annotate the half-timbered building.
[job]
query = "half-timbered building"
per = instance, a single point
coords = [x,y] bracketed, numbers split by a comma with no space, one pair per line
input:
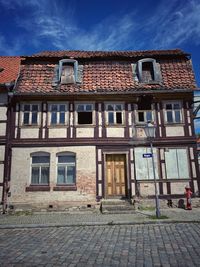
[76,128]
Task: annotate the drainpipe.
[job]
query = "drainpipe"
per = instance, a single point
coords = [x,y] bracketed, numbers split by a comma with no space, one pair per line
[8,150]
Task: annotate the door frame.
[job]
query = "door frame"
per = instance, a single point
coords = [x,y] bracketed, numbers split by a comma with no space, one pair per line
[127,174]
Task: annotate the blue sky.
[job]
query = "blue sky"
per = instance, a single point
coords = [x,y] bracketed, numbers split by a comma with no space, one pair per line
[30,26]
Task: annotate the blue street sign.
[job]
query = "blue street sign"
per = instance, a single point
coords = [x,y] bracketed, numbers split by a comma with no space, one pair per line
[147,155]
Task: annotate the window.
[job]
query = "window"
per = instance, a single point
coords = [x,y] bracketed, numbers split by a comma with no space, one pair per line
[40,168]
[144,116]
[58,114]
[147,70]
[30,114]
[66,169]
[84,114]
[176,161]
[144,166]
[173,113]
[114,114]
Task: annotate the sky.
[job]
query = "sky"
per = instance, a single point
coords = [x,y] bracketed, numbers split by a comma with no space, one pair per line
[31,26]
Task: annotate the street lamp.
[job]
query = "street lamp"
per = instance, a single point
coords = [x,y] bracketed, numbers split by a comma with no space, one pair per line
[150,131]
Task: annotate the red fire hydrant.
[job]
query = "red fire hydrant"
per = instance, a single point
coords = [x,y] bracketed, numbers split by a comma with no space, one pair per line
[188,194]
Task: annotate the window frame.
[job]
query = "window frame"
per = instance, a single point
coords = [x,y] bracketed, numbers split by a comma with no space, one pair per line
[30,112]
[68,62]
[114,111]
[178,166]
[66,112]
[39,165]
[65,165]
[85,110]
[173,112]
[157,77]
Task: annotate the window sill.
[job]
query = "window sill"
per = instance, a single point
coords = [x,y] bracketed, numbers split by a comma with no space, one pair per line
[174,124]
[35,188]
[65,188]
[58,126]
[151,82]
[115,125]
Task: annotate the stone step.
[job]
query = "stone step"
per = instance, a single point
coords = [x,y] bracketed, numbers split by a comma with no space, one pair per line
[116,207]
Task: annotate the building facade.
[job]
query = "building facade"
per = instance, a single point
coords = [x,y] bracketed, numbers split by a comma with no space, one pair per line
[76,127]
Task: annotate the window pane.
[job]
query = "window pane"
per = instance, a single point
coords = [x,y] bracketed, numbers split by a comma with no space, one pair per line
[26,107]
[89,107]
[34,107]
[40,159]
[110,117]
[54,108]
[118,107]
[53,117]
[70,174]
[66,159]
[62,107]
[169,116]
[44,175]
[149,116]
[110,107]
[183,163]
[171,164]
[34,118]
[176,106]
[168,106]
[119,117]
[62,118]
[84,117]
[177,116]
[26,118]
[80,108]
[141,116]
[35,175]
[61,175]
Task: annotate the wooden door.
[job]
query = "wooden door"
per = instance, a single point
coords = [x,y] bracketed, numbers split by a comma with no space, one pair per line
[115,175]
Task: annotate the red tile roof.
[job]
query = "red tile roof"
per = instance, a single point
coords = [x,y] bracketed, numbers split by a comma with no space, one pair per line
[106,75]
[106,54]
[9,69]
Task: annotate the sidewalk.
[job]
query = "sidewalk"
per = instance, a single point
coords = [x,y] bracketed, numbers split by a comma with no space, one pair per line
[59,219]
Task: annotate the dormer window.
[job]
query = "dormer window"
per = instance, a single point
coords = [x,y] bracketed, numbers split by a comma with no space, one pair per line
[147,71]
[67,72]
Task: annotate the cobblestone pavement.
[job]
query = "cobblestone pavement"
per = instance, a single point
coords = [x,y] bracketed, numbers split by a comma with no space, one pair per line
[117,245]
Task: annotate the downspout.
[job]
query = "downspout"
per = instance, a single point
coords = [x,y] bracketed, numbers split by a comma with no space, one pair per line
[8,149]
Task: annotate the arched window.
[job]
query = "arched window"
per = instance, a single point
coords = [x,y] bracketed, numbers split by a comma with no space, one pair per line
[40,163]
[66,168]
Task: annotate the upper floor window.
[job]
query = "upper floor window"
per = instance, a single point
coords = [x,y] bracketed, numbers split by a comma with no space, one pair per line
[30,114]
[145,112]
[114,114]
[173,112]
[67,72]
[147,70]
[145,116]
[40,168]
[84,113]
[58,114]
[66,174]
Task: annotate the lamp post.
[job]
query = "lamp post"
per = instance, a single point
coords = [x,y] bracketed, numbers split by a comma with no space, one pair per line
[150,130]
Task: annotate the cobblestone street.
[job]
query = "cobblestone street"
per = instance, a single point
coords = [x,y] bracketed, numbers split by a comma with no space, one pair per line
[118,245]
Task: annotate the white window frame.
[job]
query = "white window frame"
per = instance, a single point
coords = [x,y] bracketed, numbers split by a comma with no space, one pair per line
[176,163]
[114,111]
[39,165]
[85,110]
[66,112]
[31,112]
[66,165]
[173,110]
[145,116]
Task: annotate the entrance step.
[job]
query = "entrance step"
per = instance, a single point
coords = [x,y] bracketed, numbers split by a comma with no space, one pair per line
[112,206]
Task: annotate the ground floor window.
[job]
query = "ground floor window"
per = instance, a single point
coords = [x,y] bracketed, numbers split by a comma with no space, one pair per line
[143,163]
[66,169]
[176,161]
[40,168]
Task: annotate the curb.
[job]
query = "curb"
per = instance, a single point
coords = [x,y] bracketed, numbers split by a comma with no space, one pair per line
[117,223]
